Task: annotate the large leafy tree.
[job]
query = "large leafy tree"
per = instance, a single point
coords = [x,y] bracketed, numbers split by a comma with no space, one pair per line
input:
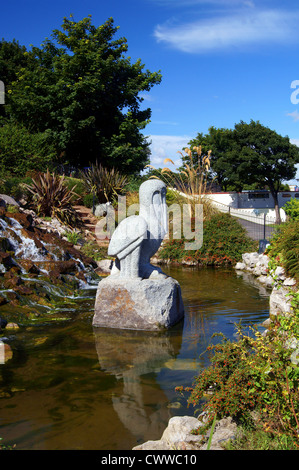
[13,58]
[85,93]
[252,154]
[220,143]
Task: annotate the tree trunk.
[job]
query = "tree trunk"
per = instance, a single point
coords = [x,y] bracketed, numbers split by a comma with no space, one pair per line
[276,207]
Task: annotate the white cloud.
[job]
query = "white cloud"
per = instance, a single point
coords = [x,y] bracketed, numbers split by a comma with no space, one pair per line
[295,116]
[244,28]
[167,146]
[146,97]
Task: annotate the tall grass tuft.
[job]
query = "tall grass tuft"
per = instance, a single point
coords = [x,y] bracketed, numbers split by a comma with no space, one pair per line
[190,184]
[105,183]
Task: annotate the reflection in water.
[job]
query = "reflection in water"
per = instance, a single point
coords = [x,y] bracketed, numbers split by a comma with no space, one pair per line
[129,355]
[74,387]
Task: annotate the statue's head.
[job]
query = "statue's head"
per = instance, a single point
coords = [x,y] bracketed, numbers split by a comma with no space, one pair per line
[152,200]
[149,189]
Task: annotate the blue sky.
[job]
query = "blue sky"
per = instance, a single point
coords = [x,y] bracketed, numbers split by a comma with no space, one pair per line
[222,61]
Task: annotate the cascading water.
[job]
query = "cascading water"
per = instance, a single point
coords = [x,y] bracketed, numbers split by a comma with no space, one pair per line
[23,246]
[40,271]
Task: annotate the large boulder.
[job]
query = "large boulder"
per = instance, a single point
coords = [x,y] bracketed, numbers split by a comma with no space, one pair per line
[140,304]
[177,436]
[7,200]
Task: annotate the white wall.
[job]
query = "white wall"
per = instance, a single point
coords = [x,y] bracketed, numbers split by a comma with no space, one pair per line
[242,200]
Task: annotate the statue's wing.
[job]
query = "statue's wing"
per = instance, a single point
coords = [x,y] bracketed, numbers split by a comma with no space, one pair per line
[127,236]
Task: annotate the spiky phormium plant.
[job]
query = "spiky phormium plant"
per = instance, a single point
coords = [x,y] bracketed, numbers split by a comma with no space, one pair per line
[51,198]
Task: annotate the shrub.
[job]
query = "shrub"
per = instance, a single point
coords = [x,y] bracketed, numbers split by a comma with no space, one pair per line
[15,186]
[256,373]
[284,247]
[51,198]
[89,200]
[21,151]
[291,208]
[93,250]
[77,186]
[105,183]
[72,237]
[224,242]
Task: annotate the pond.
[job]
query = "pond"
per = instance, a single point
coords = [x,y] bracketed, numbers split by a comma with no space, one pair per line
[70,386]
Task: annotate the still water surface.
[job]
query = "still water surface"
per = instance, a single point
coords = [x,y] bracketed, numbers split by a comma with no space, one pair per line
[74,387]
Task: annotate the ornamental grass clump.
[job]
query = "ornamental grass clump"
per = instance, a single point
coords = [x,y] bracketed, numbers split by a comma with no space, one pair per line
[189,185]
[52,198]
[105,183]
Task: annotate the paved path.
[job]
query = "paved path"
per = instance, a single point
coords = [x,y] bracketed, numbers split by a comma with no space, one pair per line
[256,231]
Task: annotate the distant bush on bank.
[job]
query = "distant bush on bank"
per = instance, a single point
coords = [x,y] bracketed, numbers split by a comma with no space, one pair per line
[224,242]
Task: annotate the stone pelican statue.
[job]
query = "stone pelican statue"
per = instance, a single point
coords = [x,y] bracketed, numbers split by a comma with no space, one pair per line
[138,237]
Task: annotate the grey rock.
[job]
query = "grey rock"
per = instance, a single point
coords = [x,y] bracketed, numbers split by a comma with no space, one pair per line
[250,259]
[240,266]
[279,273]
[263,260]
[177,436]
[148,304]
[225,430]
[104,266]
[7,200]
[179,430]
[257,271]
[295,357]
[279,302]
[289,281]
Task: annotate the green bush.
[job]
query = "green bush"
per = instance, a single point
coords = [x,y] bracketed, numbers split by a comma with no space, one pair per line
[89,199]
[291,208]
[21,151]
[72,237]
[257,374]
[224,242]
[284,247]
[14,186]
[77,185]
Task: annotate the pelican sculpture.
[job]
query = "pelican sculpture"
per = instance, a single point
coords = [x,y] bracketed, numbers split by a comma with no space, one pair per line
[138,237]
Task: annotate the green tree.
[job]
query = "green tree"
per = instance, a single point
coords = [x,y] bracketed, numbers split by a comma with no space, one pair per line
[251,154]
[21,151]
[221,143]
[13,58]
[84,92]
[265,157]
